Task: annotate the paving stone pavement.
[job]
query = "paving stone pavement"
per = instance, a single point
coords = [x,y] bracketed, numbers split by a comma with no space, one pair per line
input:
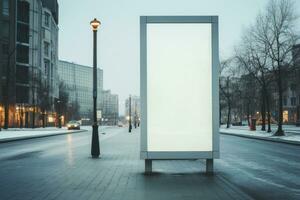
[66,171]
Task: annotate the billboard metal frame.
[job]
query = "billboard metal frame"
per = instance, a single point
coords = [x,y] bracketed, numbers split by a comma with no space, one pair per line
[182,155]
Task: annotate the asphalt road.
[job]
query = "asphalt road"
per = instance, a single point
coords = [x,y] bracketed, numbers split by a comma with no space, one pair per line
[262,169]
[60,167]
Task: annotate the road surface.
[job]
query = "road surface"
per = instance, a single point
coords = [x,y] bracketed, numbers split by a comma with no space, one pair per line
[60,167]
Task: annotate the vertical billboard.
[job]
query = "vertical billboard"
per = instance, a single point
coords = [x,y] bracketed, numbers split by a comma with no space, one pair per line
[179,87]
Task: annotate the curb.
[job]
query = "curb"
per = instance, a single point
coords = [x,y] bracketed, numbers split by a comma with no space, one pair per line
[38,136]
[278,140]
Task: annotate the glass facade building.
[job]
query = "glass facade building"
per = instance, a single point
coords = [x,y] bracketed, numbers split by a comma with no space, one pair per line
[79,81]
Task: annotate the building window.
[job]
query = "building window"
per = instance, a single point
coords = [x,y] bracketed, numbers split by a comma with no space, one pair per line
[284,101]
[43,33]
[5,7]
[22,54]
[285,116]
[22,74]
[51,71]
[23,11]
[47,65]
[23,33]
[47,19]
[293,101]
[46,48]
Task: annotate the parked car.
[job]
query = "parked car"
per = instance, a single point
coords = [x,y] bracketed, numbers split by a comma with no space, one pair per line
[73,125]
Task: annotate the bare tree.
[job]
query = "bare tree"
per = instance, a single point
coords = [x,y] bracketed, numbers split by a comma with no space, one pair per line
[35,82]
[253,57]
[62,101]
[249,95]
[228,87]
[70,109]
[43,100]
[276,29]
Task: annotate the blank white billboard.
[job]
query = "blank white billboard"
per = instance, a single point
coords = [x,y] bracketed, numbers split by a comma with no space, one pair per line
[179,87]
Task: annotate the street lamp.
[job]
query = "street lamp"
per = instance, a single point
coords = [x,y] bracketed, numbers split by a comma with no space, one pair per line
[129,112]
[59,112]
[95,149]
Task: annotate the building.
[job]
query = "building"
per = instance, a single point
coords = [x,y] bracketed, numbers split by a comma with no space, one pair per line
[79,82]
[295,85]
[296,55]
[135,109]
[109,108]
[50,46]
[291,85]
[242,106]
[28,60]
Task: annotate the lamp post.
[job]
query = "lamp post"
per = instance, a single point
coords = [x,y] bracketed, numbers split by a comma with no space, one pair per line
[95,149]
[135,116]
[129,111]
[59,113]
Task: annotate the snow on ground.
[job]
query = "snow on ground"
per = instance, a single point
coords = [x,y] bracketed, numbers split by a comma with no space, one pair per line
[29,132]
[292,133]
[12,133]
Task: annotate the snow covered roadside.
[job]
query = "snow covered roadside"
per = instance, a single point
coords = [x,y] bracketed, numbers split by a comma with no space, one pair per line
[292,135]
[286,128]
[13,134]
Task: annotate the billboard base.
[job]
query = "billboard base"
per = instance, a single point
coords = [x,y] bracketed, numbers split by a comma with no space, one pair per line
[148,166]
[209,166]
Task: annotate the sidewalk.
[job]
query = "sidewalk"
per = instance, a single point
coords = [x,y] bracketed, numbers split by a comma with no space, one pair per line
[292,133]
[117,175]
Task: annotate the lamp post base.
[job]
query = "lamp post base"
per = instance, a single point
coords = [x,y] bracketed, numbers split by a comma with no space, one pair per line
[95,150]
[130,128]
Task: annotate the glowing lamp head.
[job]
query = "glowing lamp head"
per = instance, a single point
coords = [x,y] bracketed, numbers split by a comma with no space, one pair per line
[95,24]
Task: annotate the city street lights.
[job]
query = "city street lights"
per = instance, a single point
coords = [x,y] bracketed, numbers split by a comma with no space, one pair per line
[95,149]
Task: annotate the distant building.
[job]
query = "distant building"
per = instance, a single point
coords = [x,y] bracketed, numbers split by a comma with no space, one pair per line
[79,81]
[291,85]
[28,59]
[290,99]
[294,97]
[109,108]
[296,55]
[135,108]
[50,45]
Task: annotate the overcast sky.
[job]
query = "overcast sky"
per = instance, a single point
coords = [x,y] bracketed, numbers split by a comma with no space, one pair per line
[118,43]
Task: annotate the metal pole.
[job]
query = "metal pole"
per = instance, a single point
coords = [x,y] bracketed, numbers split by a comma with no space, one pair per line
[209,166]
[33,78]
[59,114]
[135,116]
[95,150]
[130,126]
